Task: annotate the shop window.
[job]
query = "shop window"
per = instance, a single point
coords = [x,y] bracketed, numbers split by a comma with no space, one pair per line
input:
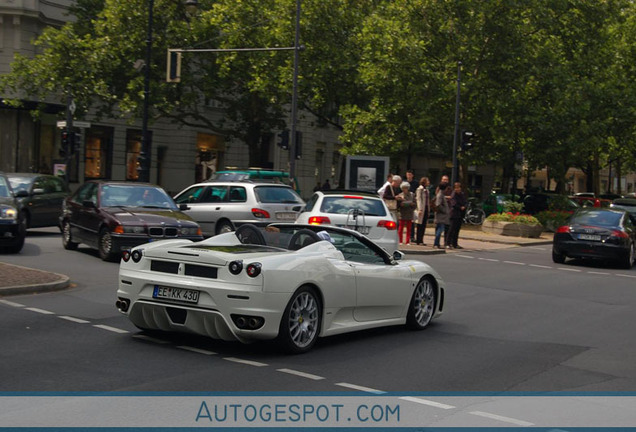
[98,153]
[133,148]
[210,150]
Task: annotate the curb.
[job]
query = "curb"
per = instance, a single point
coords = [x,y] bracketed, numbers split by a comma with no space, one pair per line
[59,282]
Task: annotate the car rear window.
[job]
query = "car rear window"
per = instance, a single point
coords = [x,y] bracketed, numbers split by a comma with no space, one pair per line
[344,204]
[606,218]
[277,194]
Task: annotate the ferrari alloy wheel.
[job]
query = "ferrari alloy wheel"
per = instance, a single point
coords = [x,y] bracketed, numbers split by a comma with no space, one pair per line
[106,245]
[300,325]
[67,240]
[422,306]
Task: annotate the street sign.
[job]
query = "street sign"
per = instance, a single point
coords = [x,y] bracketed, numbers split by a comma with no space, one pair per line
[78,124]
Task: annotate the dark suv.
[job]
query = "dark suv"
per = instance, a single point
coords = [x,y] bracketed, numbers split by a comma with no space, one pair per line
[12,222]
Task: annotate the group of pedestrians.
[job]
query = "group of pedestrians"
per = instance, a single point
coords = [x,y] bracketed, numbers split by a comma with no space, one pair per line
[410,202]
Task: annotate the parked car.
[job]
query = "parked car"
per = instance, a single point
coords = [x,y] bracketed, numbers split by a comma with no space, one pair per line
[586,201]
[596,233]
[224,206]
[12,221]
[537,202]
[364,212]
[289,282]
[627,204]
[42,201]
[112,216]
[254,174]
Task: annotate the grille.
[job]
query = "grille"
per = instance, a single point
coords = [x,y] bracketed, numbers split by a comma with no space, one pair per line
[164,266]
[163,232]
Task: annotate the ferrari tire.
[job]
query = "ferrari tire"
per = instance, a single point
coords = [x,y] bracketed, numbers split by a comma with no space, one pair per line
[67,239]
[557,257]
[105,245]
[422,306]
[300,325]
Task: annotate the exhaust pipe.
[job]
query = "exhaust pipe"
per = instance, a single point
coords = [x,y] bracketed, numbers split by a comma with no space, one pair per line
[122,304]
[241,322]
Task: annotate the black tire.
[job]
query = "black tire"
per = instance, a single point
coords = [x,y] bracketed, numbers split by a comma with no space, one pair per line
[422,306]
[223,226]
[105,246]
[557,257]
[17,245]
[300,325]
[249,234]
[67,239]
[628,260]
[302,238]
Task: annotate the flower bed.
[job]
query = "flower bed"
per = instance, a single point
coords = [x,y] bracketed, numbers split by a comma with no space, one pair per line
[513,224]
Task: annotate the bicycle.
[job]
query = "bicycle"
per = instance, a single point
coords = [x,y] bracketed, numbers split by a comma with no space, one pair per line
[474,214]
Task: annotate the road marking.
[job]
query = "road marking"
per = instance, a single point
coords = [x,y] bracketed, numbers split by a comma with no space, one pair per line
[465,256]
[625,275]
[489,259]
[357,387]
[514,262]
[301,374]
[537,248]
[10,303]
[599,273]
[111,329]
[150,339]
[73,319]
[568,269]
[501,418]
[42,311]
[540,266]
[196,350]
[247,362]
[427,402]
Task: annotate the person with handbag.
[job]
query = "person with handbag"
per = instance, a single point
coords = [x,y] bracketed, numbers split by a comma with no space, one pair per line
[442,215]
[391,195]
[406,207]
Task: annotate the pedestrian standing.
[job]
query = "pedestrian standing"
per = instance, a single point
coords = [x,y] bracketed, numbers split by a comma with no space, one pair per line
[458,204]
[442,215]
[387,183]
[406,207]
[326,185]
[413,185]
[423,208]
[392,196]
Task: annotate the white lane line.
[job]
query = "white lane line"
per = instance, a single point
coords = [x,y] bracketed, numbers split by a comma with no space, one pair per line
[568,269]
[427,402]
[10,303]
[489,259]
[537,248]
[540,266]
[42,311]
[625,275]
[111,329]
[501,418]
[301,374]
[196,350]
[150,339]
[357,387]
[465,256]
[247,362]
[73,319]
[514,262]
[598,273]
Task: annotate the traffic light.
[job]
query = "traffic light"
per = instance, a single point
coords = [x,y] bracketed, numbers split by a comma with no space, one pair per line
[173,73]
[283,139]
[65,141]
[467,140]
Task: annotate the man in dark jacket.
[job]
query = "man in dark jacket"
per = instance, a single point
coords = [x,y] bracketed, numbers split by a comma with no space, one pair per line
[458,204]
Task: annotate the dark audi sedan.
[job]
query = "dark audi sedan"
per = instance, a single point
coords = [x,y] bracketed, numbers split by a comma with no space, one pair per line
[597,233]
[12,221]
[114,216]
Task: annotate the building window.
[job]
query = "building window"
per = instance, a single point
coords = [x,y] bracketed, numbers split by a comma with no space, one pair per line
[133,148]
[210,149]
[98,153]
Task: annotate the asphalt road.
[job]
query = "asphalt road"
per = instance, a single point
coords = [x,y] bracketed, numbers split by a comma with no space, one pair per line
[513,321]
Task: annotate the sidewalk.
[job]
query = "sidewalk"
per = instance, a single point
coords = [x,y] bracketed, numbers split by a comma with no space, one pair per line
[22,280]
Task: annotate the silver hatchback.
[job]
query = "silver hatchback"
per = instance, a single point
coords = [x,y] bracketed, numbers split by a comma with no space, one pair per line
[362,211]
[224,206]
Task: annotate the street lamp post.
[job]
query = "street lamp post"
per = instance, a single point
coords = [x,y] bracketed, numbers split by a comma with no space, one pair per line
[456,133]
[144,154]
[294,107]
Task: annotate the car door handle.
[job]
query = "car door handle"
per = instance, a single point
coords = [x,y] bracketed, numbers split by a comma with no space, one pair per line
[218,208]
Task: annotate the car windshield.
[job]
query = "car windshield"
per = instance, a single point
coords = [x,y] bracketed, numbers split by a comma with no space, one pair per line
[4,188]
[345,204]
[135,196]
[277,194]
[603,219]
[20,183]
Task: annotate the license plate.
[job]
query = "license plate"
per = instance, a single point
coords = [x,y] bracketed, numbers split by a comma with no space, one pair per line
[361,229]
[590,237]
[176,294]
[287,216]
